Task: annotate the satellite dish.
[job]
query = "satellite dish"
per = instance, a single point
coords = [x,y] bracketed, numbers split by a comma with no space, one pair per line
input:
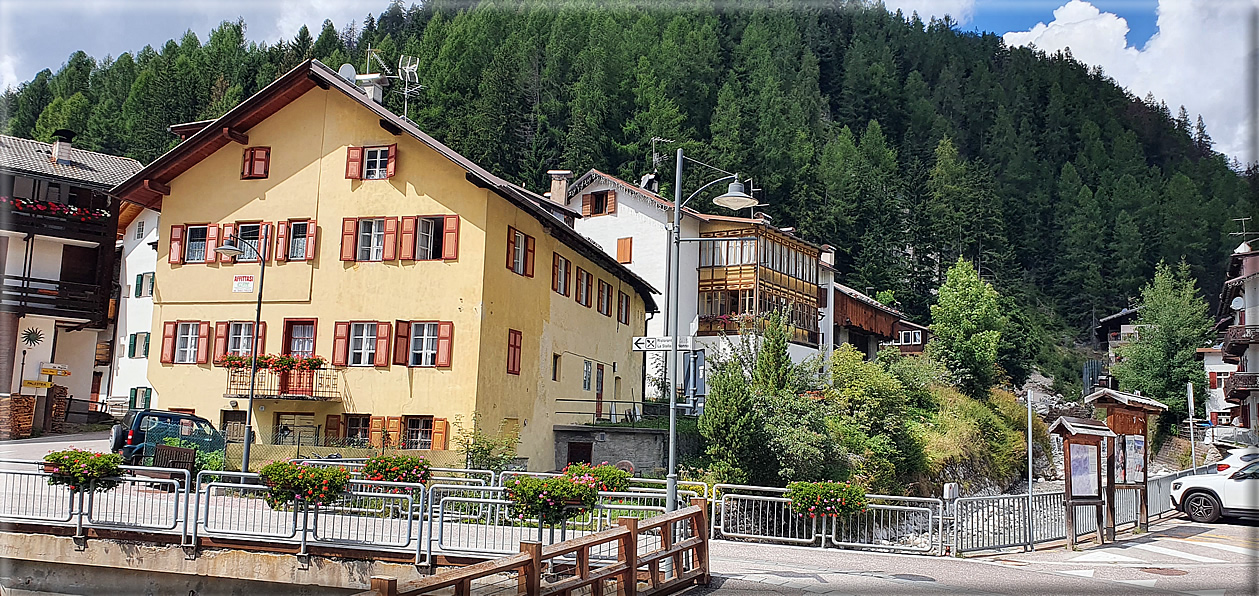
[1238,303]
[347,72]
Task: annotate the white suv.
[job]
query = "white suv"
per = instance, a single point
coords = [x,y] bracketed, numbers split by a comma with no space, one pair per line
[1207,497]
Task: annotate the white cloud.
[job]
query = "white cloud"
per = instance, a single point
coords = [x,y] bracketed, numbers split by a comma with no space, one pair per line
[8,72]
[960,10]
[1196,59]
[295,13]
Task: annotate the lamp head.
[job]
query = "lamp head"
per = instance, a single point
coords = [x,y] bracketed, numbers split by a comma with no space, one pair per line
[229,248]
[735,197]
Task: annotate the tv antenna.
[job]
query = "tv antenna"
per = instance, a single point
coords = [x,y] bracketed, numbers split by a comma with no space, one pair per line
[1242,221]
[407,74]
[655,157]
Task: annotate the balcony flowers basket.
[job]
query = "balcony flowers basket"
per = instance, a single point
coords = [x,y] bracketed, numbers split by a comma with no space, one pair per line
[826,499]
[274,362]
[552,500]
[234,362]
[281,363]
[611,478]
[411,469]
[82,214]
[295,483]
[310,363]
[83,471]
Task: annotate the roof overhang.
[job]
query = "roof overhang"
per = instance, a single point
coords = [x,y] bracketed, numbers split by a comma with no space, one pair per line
[1104,397]
[1072,426]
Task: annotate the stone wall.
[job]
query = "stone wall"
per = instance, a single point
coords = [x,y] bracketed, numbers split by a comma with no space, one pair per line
[8,349]
[17,413]
[646,448]
[60,397]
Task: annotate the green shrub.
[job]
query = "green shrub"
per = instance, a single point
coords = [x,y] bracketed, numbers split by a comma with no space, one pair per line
[412,469]
[205,460]
[611,478]
[826,499]
[289,482]
[82,470]
[552,500]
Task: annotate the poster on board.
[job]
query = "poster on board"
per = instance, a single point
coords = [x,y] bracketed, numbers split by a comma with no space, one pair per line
[1135,459]
[1120,466]
[1084,461]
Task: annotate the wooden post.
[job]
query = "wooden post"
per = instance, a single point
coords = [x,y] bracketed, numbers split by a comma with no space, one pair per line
[1110,491]
[1100,518]
[385,585]
[529,579]
[1143,521]
[628,552]
[701,530]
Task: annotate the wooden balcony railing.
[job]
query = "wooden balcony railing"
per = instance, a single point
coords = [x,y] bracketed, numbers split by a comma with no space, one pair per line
[52,297]
[297,384]
[1239,385]
[59,221]
[1238,337]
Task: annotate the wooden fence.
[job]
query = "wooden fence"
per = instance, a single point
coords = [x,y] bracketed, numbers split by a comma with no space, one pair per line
[664,554]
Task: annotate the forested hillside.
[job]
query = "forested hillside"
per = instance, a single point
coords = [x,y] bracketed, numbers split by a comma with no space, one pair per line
[903,144]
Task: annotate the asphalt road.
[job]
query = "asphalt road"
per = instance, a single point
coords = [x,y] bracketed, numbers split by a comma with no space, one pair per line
[1177,557]
[38,447]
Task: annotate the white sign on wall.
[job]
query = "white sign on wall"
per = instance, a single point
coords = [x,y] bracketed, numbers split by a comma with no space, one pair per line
[243,284]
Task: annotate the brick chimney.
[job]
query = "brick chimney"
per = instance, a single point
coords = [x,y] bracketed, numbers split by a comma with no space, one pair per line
[61,145]
[559,185]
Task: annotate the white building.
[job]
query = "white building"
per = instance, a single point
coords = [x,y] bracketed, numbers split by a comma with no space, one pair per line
[1240,301]
[130,387]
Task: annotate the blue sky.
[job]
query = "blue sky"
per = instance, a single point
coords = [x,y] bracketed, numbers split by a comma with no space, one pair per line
[1185,52]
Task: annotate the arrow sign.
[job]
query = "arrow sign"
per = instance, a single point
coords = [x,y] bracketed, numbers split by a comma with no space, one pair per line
[660,344]
[36,384]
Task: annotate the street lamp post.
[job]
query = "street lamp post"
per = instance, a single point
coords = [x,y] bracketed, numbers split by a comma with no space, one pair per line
[735,198]
[232,247]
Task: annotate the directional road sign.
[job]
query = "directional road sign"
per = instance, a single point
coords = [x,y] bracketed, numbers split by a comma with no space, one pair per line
[661,344]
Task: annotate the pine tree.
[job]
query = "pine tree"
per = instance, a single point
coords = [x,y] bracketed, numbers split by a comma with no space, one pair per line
[1128,261]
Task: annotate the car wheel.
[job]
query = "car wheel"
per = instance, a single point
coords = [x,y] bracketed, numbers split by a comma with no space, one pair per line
[117,436]
[1202,507]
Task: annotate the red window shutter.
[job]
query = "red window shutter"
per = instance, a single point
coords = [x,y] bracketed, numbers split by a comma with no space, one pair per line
[310,239]
[555,272]
[1214,381]
[332,426]
[264,240]
[376,431]
[390,251]
[262,162]
[511,247]
[450,238]
[262,337]
[528,256]
[211,243]
[176,245]
[586,201]
[513,352]
[393,158]
[401,342]
[220,340]
[445,341]
[384,332]
[203,343]
[247,164]
[407,251]
[611,201]
[354,163]
[349,229]
[439,433]
[169,329]
[282,241]
[228,231]
[340,342]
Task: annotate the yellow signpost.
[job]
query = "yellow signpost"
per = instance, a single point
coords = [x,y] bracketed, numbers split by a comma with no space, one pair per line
[36,384]
[54,372]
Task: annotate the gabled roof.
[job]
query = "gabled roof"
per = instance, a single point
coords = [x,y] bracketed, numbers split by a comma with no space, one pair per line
[1131,400]
[861,297]
[148,186]
[87,168]
[1080,426]
[595,175]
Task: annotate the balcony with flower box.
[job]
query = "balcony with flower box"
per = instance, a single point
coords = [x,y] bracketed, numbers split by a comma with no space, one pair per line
[281,377]
[58,220]
[1239,385]
[1240,337]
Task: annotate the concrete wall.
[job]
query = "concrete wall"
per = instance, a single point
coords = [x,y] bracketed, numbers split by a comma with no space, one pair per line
[646,448]
[35,354]
[76,349]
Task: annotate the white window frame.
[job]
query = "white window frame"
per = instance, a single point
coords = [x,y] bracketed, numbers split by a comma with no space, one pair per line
[297,242]
[362,344]
[423,343]
[240,336]
[249,256]
[140,230]
[563,271]
[190,244]
[429,233]
[420,437]
[146,285]
[519,252]
[917,337]
[587,371]
[375,163]
[905,337]
[186,336]
[370,243]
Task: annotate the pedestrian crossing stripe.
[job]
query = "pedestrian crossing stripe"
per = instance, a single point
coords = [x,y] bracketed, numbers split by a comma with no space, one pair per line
[1208,593]
[1175,553]
[1104,557]
[1079,572]
[1226,547]
[1144,583]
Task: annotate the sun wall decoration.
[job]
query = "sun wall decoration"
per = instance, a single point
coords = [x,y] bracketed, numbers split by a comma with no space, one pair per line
[32,336]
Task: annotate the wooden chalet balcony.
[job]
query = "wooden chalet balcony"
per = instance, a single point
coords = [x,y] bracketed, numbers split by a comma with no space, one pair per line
[318,385]
[57,220]
[1239,337]
[53,298]
[1239,385]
